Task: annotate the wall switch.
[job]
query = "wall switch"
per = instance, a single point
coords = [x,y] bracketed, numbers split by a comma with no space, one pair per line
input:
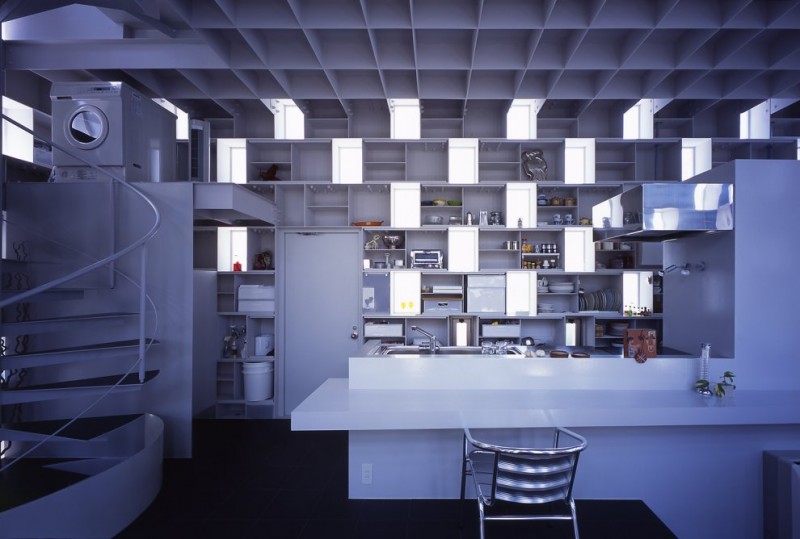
[366,474]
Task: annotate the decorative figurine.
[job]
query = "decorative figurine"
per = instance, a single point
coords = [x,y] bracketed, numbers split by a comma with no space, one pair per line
[534,165]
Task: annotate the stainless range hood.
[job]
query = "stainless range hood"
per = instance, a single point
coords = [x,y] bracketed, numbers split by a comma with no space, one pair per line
[663,211]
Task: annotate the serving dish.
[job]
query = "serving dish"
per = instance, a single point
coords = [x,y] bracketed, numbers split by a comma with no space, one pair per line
[368,223]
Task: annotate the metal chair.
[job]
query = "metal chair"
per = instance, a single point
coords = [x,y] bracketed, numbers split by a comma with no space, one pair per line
[507,476]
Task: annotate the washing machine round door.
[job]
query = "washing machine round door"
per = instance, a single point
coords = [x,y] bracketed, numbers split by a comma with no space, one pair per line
[86,128]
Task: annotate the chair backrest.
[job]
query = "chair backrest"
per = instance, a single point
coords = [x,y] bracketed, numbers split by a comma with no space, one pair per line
[533,475]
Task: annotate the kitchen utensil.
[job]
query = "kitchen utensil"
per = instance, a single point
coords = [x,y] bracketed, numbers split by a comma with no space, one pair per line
[495,218]
[469,218]
[439,202]
[556,201]
[559,353]
[368,223]
[557,219]
[379,264]
[569,201]
[454,203]
[484,217]
[454,220]
[392,241]
[568,219]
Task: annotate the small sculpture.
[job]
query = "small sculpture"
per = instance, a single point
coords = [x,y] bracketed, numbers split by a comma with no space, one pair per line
[534,165]
[263,261]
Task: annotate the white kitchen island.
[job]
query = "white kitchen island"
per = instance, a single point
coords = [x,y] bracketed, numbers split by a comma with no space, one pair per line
[405,417]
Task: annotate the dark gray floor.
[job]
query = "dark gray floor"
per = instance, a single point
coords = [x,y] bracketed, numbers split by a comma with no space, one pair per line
[257,478]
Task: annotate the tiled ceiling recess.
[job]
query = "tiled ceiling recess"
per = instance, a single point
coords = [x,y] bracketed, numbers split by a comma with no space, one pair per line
[219,58]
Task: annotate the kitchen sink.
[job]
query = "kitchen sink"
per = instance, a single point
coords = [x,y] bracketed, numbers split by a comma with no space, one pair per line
[399,350]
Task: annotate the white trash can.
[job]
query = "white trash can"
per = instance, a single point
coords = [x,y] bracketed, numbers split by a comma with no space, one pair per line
[258,380]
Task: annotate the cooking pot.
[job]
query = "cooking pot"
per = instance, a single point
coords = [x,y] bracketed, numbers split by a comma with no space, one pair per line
[556,201]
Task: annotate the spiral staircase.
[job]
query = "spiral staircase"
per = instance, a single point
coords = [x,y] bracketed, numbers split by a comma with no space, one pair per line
[79,456]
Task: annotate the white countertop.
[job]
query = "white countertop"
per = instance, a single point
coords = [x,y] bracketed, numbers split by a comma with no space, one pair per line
[334,406]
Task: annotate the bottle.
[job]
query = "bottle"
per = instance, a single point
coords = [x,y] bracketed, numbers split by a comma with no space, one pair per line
[519,222]
[237,266]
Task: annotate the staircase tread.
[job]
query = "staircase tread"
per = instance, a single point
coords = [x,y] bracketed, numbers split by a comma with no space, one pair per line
[71,318]
[85,428]
[30,479]
[85,347]
[99,381]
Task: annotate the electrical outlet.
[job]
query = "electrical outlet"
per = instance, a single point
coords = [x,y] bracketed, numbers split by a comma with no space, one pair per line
[366,474]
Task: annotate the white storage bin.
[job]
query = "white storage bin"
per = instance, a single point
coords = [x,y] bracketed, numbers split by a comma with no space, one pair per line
[256,291]
[383,330]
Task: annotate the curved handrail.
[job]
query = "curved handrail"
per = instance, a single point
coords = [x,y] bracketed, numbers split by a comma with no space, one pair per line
[144,297]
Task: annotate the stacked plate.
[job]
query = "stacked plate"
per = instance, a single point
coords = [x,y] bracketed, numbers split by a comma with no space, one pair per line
[617,329]
[608,299]
[545,308]
[561,288]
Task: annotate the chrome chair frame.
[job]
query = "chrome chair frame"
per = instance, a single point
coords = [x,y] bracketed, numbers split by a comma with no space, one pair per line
[519,475]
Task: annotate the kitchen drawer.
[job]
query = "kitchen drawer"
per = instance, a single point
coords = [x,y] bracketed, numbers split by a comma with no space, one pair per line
[511,331]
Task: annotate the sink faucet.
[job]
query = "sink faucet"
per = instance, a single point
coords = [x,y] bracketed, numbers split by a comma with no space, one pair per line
[433,346]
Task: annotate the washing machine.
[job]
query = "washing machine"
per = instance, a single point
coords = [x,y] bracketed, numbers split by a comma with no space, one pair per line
[111,126]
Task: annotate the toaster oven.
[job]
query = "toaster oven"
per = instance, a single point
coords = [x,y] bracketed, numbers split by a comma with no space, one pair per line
[427,258]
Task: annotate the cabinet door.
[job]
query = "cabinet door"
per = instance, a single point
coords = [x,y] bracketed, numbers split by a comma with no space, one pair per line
[695,156]
[405,289]
[521,293]
[579,160]
[462,249]
[462,156]
[578,249]
[405,205]
[347,160]
[637,290]
[520,204]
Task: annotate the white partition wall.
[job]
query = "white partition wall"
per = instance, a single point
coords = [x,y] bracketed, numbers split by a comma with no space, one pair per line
[579,160]
[462,156]
[521,204]
[347,160]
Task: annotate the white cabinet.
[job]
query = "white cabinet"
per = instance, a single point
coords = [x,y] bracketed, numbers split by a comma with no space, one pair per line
[405,211]
[521,293]
[404,291]
[579,159]
[521,205]
[462,249]
[347,160]
[462,158]
[637,290]
[578,249]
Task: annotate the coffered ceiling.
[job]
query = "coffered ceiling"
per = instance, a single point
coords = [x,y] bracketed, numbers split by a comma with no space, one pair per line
[221,58]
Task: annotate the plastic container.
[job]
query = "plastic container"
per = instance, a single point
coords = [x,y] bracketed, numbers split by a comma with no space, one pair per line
[258,377]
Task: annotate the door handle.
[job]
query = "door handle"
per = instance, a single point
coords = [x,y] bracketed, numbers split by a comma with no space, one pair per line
[354,333]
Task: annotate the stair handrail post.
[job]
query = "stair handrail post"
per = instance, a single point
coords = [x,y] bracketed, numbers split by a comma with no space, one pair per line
[142,313]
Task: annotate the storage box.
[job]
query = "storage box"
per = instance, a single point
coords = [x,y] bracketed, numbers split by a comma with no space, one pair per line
[640,344]
[511,331]
[256,306]
[372,329]
[443,305]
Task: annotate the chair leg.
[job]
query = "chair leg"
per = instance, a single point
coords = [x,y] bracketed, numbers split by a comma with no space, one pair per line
[574,518]
[463,491]
[481,515]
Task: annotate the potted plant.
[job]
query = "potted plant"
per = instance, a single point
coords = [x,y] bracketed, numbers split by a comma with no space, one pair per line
[725,385]
[720,389]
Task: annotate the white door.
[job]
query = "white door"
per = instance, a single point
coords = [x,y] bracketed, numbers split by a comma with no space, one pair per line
[319,278]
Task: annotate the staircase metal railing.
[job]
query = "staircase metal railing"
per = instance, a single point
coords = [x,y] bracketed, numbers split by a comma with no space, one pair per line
[143,299]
